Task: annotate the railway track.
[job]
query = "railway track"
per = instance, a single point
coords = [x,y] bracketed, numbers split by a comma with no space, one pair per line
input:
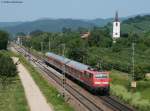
[109,101]
[114,104]
[80,97]
[89,104]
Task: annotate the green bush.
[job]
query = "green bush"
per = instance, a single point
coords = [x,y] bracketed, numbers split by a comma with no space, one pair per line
[120,92]
[134,99]
[139,103]
[8,69]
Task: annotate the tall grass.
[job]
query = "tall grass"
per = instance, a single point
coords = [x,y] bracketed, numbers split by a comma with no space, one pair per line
[12,98]
[134,99]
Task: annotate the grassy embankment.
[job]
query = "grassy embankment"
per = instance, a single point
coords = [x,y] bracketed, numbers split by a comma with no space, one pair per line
[51,93]
[140,99]
[12,97]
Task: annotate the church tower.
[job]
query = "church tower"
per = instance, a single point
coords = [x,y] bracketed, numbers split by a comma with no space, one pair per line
[116,27]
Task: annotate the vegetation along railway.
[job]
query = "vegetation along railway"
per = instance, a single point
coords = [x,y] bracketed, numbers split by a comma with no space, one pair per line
[92,102]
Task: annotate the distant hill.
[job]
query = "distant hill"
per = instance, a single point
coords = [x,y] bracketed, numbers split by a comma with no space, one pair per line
[51,25]
[48,25]
[137,24]
[100,22]
[140,23]
[8,24]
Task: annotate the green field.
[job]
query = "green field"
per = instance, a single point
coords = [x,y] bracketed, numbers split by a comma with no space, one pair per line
[12,98]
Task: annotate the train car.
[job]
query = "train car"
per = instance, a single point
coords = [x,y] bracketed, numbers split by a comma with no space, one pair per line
[96,81]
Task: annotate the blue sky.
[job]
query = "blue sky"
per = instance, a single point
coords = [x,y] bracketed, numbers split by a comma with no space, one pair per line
[77,9]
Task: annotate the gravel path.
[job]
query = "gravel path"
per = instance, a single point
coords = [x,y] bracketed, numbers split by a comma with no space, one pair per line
[35,98]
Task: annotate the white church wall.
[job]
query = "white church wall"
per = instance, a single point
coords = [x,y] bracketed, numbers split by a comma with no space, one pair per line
[116,30]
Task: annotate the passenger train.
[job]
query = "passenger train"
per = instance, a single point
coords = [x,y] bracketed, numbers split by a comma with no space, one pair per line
[94,80]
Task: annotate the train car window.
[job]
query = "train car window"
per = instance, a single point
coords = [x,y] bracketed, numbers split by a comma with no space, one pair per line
[75,71]
[82,74]
[91,75]
[85,75]
[78,74]
[88,75]
[68,69]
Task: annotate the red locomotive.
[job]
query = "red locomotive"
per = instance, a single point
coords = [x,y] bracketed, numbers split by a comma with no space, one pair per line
[94,80]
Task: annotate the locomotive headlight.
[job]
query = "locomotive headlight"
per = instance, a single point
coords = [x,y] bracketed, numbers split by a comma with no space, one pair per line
[105,83]
[101,83]
[98,82]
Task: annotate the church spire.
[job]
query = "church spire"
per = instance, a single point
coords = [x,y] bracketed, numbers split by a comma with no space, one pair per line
[116,17]
[116,27]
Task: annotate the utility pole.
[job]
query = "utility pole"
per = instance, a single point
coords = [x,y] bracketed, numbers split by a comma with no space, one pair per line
[100,64]
[63,49]
[21,40]
[49,45]
[64,71]
[133,82]
[133,62]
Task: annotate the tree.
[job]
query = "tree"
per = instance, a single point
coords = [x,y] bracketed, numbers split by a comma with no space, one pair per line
[100,37]
[66,30]
[7,69]
[77,50]
[3,40]
[82,30]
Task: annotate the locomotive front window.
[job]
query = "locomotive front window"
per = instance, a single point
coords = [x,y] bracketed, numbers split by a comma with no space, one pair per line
[88,75]
[101,76]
